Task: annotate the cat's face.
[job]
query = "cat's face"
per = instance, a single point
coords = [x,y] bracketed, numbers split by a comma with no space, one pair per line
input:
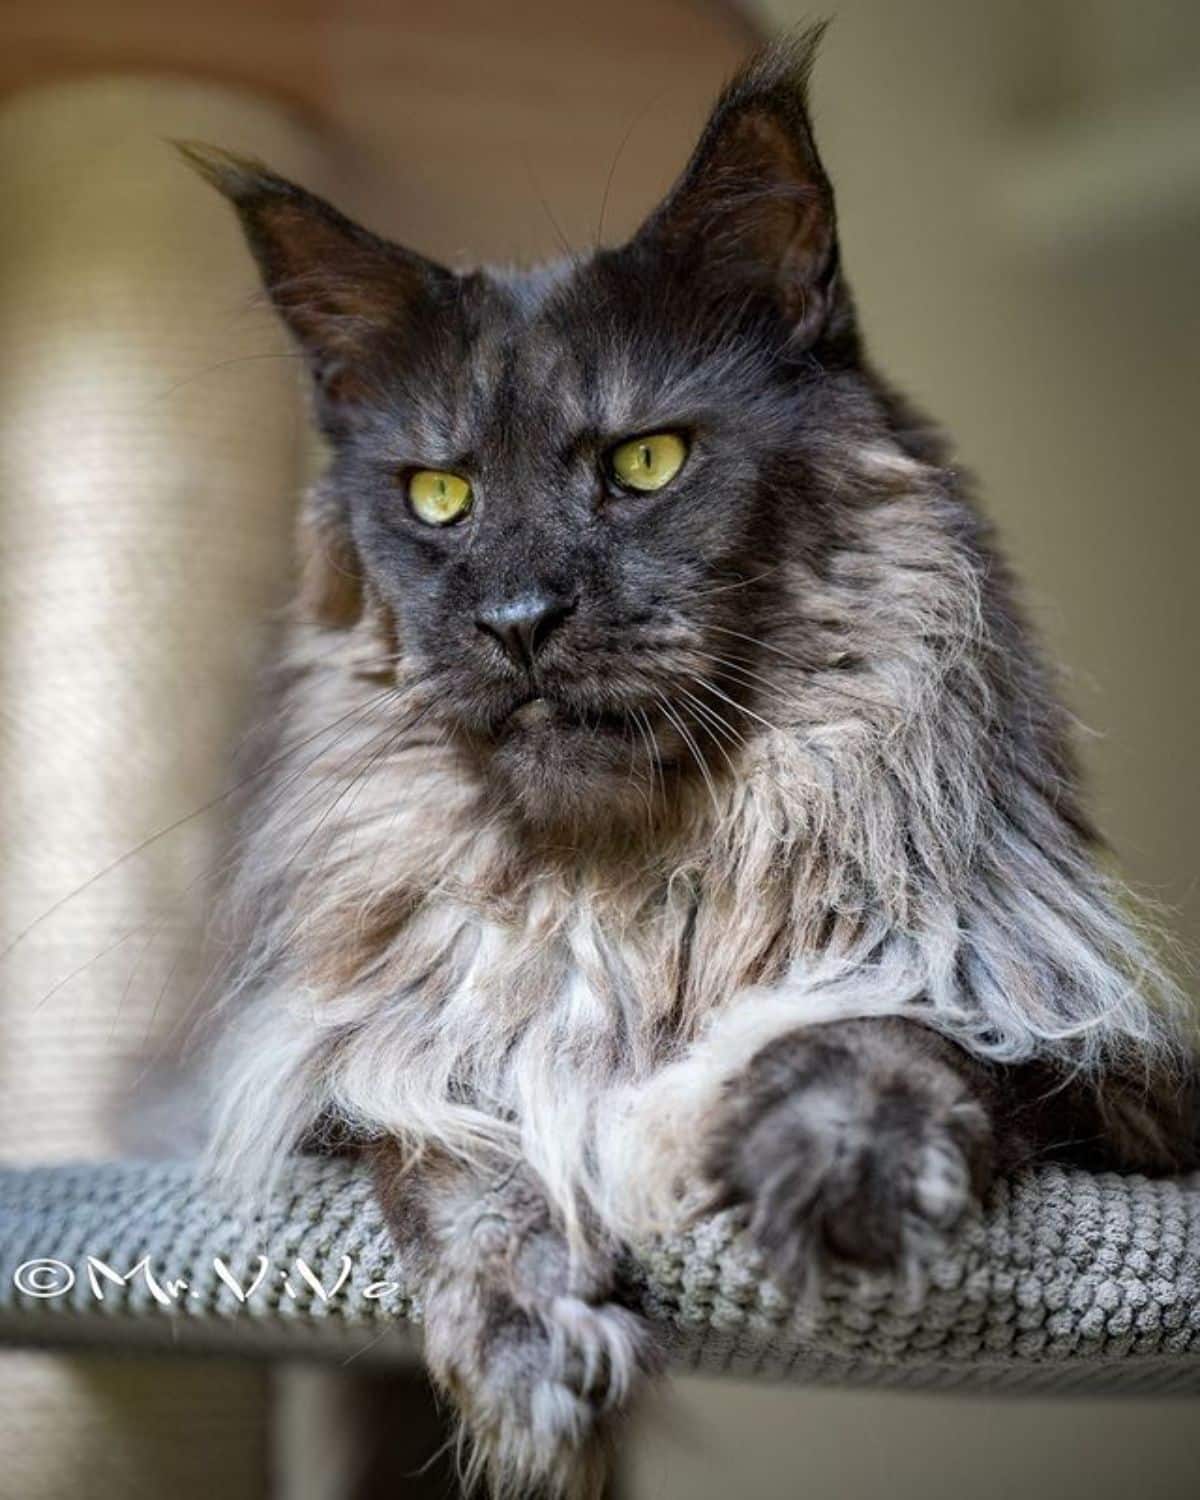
[576,490]
[569,620]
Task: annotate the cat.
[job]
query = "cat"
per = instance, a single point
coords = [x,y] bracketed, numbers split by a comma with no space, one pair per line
[663,804]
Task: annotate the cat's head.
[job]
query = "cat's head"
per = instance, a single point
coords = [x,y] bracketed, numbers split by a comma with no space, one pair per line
[576,490]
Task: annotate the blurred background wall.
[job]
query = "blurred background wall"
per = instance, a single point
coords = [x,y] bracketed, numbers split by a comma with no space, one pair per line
[1019,186]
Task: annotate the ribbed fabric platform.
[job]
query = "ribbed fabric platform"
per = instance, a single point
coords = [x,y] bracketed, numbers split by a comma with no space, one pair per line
[1068,1282]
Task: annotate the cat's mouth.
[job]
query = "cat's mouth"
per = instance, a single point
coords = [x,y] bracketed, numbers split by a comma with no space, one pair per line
[538,711]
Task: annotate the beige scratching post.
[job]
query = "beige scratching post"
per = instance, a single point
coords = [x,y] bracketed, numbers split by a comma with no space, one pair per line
[151,448]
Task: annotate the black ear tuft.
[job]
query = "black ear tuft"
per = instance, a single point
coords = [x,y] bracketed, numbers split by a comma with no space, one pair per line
[754,203]
[236,176]
[340,289]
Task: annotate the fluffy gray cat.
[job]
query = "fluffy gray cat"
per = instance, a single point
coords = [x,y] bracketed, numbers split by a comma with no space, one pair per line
[662,804]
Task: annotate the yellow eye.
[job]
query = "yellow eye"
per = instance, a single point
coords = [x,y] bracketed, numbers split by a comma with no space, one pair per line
[437,497]
[650,462]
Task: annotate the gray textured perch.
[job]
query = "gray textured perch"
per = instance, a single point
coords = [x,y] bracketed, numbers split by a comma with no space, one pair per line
[1069,1281]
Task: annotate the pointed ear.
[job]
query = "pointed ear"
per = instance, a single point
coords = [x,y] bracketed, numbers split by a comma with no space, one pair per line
[754,204]
[340,289]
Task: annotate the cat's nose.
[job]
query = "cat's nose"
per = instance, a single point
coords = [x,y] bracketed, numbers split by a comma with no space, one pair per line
[522,626]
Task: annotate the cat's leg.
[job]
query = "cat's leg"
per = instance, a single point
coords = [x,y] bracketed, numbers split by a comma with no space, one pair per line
[861,1142]
[519,1333]
[864,1141]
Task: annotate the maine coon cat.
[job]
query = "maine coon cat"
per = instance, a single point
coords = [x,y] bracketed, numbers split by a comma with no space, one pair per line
[662,803]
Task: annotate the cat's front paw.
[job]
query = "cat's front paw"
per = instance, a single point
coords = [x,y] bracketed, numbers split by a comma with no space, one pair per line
[855,1143]
[538,1386]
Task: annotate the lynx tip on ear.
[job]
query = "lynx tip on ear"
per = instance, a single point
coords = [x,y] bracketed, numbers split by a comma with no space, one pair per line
[784,66]
[237,177]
